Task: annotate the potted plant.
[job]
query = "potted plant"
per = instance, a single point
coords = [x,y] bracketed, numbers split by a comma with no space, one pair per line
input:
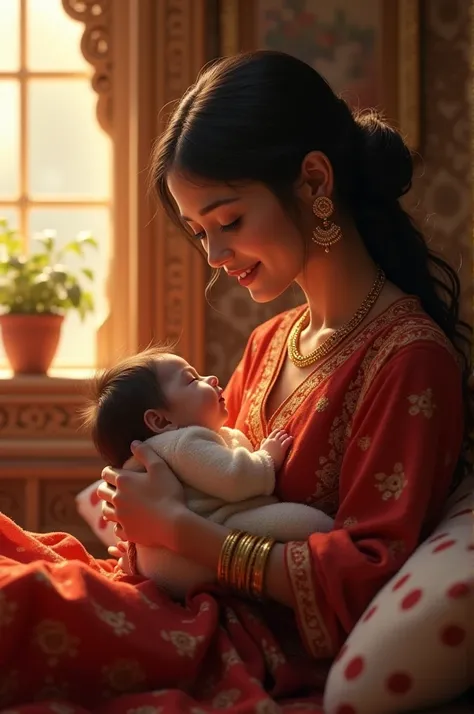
[36,291]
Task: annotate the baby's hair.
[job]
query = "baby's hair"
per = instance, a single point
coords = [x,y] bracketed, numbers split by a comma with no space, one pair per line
[118,399]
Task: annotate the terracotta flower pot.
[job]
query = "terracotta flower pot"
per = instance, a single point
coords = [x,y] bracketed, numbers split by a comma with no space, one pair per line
[30,341]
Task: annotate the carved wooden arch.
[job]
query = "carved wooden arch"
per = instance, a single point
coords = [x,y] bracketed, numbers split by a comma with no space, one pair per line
[145,53]
[96,46]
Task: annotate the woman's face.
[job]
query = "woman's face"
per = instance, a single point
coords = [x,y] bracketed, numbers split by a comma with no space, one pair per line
[244,230]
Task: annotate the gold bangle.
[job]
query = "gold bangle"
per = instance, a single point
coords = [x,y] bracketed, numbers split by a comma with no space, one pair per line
[245,560]
[251,566]
[238,562]
[235,560]
[261,559]
[225,557]
[242,562]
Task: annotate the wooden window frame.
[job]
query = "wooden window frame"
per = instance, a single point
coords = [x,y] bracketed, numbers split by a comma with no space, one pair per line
[144,54]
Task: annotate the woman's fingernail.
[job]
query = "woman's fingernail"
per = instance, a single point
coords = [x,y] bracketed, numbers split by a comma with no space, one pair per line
[135,444]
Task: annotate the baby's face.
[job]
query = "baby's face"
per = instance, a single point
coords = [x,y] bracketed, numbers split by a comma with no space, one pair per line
[193,400]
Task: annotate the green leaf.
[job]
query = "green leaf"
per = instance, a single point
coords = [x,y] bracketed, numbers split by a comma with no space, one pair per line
[38,282]
[39,260]
[86,238]
[10,240]
[47,239]
[74,294]
[87,304]
[59,274]
[72,247]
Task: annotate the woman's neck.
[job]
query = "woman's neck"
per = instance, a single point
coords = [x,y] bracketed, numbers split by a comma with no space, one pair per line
[335,284]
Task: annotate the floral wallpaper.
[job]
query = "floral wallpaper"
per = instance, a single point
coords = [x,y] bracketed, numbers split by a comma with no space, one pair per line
[337,38]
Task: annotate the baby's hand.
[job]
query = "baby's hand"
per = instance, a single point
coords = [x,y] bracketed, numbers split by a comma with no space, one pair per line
[277,445]
[120,552]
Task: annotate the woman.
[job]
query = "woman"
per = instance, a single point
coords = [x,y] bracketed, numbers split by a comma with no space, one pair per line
[279,182]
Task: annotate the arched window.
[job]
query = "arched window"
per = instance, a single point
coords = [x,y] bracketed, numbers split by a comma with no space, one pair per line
[55,157]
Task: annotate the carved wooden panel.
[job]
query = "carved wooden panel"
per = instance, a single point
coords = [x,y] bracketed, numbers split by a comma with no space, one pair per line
[144,54]
[182,52]
[45,458]
[13,499]
[96,46]
[22,421]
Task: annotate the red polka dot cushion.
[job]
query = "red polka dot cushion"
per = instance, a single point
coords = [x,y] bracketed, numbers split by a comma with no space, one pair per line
[414,646]
[88,505]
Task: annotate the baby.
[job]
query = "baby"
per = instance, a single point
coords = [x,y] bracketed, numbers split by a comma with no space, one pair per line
[156,396]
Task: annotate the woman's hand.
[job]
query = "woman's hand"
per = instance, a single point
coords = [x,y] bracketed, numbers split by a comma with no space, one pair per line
[144,505]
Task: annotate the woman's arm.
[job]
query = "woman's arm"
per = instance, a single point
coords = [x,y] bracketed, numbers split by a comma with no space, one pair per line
[396,471]
[397,466]
[151,505]
[201,540]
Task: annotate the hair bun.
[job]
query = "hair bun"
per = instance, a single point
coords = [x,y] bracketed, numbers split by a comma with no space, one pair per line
[385,161]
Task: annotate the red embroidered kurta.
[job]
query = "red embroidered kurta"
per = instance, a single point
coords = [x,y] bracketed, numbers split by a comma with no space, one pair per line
[377,431]
[378,428]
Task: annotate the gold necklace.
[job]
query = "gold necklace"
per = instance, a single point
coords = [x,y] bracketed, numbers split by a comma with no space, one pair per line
[339,335]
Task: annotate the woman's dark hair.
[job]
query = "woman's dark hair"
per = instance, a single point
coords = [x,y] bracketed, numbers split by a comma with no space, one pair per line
[255,116]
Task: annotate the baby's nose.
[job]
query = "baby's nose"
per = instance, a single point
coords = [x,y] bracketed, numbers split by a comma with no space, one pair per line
[213,381]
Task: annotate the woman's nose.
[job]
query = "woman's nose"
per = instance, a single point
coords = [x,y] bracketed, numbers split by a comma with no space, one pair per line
[218,255]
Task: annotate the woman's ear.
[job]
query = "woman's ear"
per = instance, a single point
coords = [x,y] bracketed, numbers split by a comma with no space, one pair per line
[316,178]
[155,420]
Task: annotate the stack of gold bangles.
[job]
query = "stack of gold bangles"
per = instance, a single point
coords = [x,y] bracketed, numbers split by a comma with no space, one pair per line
[242,562]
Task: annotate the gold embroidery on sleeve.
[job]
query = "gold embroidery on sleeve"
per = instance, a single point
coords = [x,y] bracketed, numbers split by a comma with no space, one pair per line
[422,404]
[298,558]
[322,404]
[392,486]
[254,417]
[329,366]
[326,493]
[350,521]
[419,328]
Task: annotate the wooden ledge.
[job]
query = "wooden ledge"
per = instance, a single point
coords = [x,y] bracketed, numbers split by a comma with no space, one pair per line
[58,381]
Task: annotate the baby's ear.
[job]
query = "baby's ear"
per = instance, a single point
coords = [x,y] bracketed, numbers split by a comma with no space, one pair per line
[155,420]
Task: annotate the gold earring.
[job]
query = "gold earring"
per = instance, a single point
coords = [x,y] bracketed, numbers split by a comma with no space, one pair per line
[329,233]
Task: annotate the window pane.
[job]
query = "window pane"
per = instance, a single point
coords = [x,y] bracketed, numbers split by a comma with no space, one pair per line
[70,155]
[78,342]
[11,215]
[13,222]
[53,38]
[9,138]
[9,35]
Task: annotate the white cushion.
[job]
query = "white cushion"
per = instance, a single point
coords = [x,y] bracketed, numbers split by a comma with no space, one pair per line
[414,646]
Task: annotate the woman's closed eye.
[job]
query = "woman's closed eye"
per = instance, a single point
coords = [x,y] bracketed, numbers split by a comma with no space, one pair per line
[231,226]
[225,228]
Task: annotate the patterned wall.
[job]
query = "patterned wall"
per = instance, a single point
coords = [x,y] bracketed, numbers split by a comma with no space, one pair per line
[442,192]
[443,186]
